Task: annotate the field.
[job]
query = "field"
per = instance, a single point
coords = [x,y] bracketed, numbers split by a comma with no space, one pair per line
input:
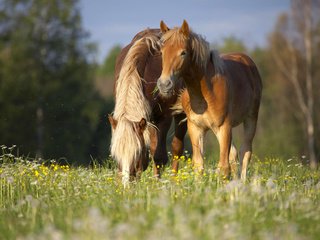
[280,200]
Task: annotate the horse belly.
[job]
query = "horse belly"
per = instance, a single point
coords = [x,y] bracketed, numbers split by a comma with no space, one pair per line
[242,104]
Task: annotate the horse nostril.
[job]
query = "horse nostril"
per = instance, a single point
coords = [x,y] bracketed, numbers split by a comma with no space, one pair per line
[165,85]
[168,84]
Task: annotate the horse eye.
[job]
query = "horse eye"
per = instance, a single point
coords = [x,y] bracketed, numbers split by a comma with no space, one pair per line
[183,53]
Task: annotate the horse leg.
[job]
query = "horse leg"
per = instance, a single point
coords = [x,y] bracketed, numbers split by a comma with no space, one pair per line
[246,149]
[224,135]
[233,155]
[196,136]
[177,145]
[159,147]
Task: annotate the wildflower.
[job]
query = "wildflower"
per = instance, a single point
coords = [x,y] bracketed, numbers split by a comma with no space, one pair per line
[270,183]
[10,179]
[65,168]
[55,167]
[36,173]
[12,147]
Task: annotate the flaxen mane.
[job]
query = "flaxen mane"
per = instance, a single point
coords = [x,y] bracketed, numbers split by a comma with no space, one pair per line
[131,104]
[200,48]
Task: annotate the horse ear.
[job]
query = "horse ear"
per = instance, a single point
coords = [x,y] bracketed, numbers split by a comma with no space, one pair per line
[185,28]
[112,121]
[142,124]
[163,27]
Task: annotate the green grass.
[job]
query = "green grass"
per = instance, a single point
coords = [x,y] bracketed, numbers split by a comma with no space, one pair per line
[281,200]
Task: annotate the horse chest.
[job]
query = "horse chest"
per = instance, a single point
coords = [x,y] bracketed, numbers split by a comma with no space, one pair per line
[204,121]
[203,115]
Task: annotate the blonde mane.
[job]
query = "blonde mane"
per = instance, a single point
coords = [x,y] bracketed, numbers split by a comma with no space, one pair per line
[131,104]
[199,46]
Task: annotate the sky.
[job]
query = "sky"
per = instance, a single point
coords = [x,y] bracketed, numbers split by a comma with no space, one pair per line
[112,22]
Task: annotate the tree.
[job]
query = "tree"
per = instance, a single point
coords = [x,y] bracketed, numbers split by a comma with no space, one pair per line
[293,48]
[104,79]
[107,68]
[48,102]
[231,44]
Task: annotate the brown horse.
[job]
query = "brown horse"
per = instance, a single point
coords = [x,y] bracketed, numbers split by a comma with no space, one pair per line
[222,92]
[141,117]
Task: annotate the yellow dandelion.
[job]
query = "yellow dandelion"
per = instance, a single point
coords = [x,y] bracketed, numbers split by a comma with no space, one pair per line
[66,168]
[55,168]
[36,173]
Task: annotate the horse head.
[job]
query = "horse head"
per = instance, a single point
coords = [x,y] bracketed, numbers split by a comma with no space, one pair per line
[128,146]
[175,57]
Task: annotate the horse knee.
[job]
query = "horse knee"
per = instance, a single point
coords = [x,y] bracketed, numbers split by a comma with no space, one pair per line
[177,147]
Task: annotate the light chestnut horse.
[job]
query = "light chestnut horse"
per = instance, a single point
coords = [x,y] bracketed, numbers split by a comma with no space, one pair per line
[222,92]
[141,117]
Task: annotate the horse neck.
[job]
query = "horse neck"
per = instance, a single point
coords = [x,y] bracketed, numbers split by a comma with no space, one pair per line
[195,79]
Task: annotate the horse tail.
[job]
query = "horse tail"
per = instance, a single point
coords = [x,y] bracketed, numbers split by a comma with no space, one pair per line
[257,87]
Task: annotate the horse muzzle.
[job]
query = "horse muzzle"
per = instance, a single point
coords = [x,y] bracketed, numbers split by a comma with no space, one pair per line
[165,87]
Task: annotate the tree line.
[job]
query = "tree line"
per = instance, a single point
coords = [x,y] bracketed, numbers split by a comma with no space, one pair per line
[49,105]
[54,98]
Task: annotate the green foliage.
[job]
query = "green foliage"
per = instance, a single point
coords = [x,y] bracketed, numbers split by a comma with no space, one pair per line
[231,44]
[47,97]
[280,200]
[107,68]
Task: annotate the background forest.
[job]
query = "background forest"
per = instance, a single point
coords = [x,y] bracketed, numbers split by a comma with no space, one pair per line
[54,96]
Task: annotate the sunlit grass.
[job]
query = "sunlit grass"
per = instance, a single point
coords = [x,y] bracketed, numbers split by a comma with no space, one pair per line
[45,200]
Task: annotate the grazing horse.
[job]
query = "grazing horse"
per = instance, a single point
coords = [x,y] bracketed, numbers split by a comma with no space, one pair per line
[141,117]
[221,93]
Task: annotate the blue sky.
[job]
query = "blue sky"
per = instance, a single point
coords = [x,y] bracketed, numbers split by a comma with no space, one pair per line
[112,22]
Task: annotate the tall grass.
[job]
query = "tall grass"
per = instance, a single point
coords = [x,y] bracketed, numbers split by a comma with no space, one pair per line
[281,200]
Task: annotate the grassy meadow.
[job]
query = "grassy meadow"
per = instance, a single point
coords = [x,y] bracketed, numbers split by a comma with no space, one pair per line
[44,200]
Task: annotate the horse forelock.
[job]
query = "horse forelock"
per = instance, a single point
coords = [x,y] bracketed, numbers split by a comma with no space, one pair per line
[126,143]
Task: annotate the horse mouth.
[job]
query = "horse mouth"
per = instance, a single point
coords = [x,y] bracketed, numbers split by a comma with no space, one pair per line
[166,93]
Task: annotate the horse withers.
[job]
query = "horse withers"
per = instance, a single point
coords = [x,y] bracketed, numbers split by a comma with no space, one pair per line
[221,93]
[141,117]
